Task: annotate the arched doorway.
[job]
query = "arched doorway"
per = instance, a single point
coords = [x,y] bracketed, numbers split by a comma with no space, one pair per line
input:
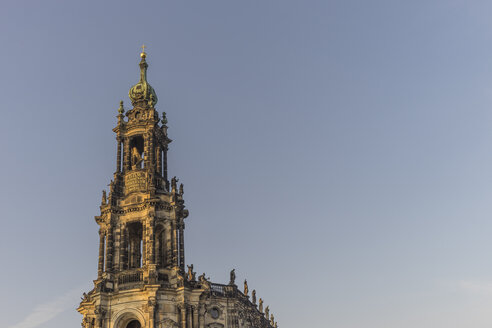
[133,324]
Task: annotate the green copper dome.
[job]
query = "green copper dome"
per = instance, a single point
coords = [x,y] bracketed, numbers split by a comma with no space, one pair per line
[142,91]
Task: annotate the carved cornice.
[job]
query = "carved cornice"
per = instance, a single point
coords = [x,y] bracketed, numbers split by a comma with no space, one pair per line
[158,205]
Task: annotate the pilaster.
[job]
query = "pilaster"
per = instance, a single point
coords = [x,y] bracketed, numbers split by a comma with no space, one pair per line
[100,266]
[181,246]
[126,154]
[175,244]
[118,156]
[182,308]
[109,248]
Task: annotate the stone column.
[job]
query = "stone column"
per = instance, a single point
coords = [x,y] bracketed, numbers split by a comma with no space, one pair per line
[158,249]
[123,246]
[158,154]
[152,243]
[151,151]
[181,246]
[201,316]
[143,251]
[100,266]
[174,243]
[100,313]
[116,248]
[151,306]
[138,251]
[182,308]
[168,247]
[118,156]
[195,316]
[126,154]
[163,247]
[133,252]
[109,249]
[164,155]
[146,150]
[190,316]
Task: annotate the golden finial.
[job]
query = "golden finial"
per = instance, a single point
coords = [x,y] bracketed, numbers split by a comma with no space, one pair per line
[143,54]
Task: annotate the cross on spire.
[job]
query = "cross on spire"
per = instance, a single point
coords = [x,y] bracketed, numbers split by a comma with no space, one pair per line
[143,54]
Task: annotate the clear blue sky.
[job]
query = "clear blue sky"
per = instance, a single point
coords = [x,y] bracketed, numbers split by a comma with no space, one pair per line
[338,154]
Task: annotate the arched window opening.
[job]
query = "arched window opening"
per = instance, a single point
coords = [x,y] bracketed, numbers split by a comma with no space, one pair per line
[134,324]
[135,245]
[160,247]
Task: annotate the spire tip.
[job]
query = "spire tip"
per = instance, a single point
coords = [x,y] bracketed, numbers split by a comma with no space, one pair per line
[143,55]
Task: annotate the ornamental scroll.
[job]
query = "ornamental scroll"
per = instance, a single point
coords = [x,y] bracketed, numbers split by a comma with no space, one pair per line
[135,181]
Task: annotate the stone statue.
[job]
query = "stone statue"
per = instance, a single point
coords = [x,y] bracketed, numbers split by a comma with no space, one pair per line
[202,278]
[246,287]
[253,296]
[260,307]
[275,324]
[204,281]
[233,277]
[136,158]
[164,118]
[267,311]
[174,182]
[104,200]
[272,320]
[181,189]
[191,274]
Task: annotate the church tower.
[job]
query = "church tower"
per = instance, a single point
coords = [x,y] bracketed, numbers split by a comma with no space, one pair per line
[141,279]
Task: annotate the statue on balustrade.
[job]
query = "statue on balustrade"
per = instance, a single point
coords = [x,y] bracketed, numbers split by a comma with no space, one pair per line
[202,278]
[191,274]
[246,290]
[174,182]
[104,200]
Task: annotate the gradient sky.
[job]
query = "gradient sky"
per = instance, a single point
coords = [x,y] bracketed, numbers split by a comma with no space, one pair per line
[338,154]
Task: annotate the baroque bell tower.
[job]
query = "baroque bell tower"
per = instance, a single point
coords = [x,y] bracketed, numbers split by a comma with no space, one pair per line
[141,279]
[141,225]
